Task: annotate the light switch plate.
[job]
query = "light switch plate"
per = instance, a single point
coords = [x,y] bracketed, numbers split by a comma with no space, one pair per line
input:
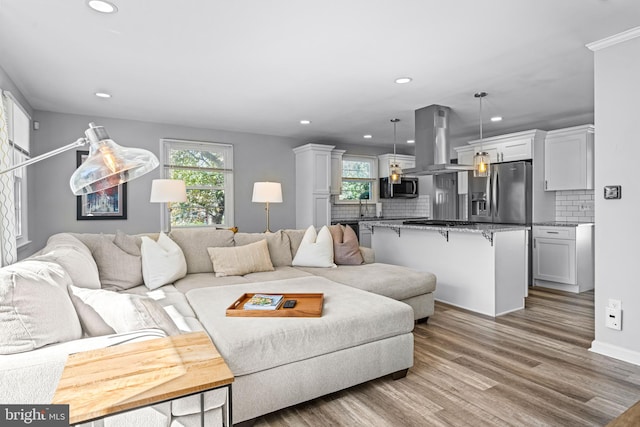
[612,191]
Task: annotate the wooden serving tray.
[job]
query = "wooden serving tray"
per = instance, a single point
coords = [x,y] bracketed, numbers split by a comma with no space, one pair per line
[307,305]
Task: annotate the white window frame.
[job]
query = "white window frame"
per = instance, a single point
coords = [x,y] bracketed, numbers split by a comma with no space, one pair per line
[373,160]
[20,140]
[169,143]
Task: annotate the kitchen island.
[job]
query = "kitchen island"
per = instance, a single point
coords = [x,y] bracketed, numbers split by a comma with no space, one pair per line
[480,267]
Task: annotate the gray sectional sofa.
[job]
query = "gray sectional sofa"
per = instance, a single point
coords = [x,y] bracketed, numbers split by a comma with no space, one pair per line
[365,331]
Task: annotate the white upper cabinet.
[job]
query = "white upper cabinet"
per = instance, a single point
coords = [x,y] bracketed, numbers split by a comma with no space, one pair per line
[506,148]
[336,171]
[403,160]
[568,159]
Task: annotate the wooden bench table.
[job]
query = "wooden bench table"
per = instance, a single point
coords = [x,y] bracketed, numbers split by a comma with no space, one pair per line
[103,382]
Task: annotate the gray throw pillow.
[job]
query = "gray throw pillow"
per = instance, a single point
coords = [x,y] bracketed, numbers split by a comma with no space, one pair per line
[92,324]
[118,268]
[35,308]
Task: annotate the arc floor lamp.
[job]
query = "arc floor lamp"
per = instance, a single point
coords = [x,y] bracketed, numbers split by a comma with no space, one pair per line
[108,164]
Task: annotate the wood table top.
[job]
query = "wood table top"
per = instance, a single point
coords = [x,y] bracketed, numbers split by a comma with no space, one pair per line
[106,381]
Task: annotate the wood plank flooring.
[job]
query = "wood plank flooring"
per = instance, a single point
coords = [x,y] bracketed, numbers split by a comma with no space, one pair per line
[527,368]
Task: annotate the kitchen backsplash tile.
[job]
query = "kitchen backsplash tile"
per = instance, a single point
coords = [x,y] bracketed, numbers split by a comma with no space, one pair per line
[575,205]
[419,207]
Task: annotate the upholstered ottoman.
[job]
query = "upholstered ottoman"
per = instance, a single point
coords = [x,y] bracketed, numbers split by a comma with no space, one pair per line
[279,362]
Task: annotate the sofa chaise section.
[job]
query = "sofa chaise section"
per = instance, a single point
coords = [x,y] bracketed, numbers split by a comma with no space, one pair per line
[360,336]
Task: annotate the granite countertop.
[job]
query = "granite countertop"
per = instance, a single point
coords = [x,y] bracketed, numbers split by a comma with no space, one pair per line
[562,224]
[471,228]
[373,218]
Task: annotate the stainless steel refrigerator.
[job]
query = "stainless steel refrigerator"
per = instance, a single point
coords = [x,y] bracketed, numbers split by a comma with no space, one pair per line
[504,197]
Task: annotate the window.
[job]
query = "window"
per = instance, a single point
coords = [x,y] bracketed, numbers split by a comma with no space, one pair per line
[207,170]
[19,129]
[359,178]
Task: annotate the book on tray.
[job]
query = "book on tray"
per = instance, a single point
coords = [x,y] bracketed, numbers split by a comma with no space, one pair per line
[263,302]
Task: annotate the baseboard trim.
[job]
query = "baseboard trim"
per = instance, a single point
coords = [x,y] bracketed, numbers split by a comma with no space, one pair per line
[616,352]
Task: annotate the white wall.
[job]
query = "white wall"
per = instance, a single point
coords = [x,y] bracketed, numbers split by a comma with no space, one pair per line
[617,231]
[256,158]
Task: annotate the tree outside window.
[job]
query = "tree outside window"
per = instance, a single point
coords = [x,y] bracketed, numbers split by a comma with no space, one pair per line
[206,169]
[358,179]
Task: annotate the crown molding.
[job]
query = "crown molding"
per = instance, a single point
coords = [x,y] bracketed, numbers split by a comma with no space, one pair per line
[615,39]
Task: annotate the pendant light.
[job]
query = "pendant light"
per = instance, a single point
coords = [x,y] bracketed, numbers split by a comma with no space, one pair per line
[481,162]
[395,171]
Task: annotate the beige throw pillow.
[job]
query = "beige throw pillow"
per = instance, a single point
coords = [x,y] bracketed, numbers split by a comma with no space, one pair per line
[278,243]
[346,249]
[241,260]
[35,308]
[127,312]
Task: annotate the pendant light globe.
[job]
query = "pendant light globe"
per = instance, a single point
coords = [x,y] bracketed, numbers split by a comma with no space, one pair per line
[395,171]
[481,160]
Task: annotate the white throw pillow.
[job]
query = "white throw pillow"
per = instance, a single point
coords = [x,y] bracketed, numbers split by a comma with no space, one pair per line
[162,261]
[127,312]
[316,250]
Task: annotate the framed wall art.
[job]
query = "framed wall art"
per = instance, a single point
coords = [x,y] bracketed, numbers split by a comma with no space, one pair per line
[106,204]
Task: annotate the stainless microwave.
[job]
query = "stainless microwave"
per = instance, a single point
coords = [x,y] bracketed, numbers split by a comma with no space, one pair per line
[407,188]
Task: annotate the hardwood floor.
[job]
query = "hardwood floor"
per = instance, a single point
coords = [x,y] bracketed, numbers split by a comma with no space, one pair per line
[528,368]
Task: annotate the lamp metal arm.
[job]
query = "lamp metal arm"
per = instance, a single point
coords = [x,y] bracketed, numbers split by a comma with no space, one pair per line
[78,143]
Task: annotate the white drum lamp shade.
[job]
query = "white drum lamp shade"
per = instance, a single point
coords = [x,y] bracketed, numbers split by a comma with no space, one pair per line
[168,191]
[267,192]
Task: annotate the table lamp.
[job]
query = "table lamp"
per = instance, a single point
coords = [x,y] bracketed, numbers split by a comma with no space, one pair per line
[267,192]
[108,164]
[168,191]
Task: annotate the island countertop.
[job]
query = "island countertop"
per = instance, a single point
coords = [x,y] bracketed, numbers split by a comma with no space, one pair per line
[482,228]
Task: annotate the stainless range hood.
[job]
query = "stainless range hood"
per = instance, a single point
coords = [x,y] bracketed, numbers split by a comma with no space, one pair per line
[432,143]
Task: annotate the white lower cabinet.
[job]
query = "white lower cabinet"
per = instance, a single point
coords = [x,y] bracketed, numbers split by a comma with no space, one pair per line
[563,257]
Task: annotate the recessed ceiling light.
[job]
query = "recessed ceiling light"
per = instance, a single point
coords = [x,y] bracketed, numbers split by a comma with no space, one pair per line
[403,80]
[367,136]
[103,95]
[305,122]
[102,6]
[411,141]
[496,119]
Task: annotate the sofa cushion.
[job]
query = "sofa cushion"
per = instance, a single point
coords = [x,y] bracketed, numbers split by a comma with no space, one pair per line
[75,257]
[167,295]
[162,261]
[316,249]
[120,266]
[240,260]
[279,273]
[35,308]
[392,281]
[194,244]
[279,245]
[361,317]
[205,280]
[346,250]
[295,238]
[127,312]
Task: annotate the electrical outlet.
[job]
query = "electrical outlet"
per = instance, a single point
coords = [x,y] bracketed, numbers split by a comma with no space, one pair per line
[615,304]
[614,318]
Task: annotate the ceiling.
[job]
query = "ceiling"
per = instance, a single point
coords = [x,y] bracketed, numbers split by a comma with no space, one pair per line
[262,66]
